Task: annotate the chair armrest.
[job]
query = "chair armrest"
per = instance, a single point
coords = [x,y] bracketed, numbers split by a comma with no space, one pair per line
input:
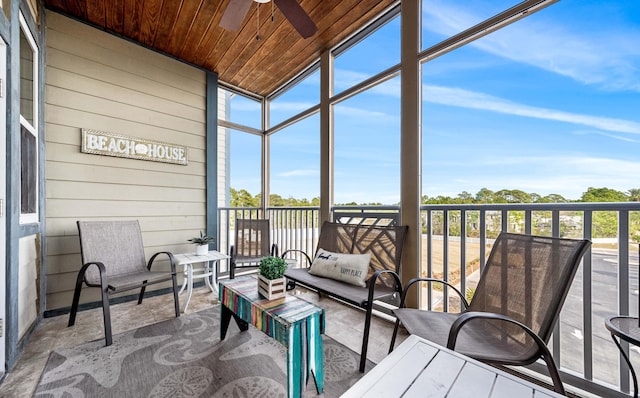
[473,315]
[232,254]
[101,269]
[284,255]
[542,346]
[172,261]
[424,279]
[374,278]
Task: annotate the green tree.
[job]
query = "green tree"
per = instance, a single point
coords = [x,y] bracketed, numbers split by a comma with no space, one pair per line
[512,196]
[276,200]
[553,198]
[634,194]
[485,195]
[466,197]
[242,198]
[605,224]
[603,195]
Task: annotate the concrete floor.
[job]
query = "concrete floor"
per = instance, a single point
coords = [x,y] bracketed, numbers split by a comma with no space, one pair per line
[344,324]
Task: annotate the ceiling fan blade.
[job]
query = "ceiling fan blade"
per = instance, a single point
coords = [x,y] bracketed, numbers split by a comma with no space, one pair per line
[234,14]
[297,17]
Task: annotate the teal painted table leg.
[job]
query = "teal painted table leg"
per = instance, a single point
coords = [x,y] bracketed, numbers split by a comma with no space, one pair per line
[295,380]
[305,357]
[315,355]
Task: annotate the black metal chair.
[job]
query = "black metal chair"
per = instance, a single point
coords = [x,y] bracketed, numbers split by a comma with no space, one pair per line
[113,259]
[252,242]
[517,301]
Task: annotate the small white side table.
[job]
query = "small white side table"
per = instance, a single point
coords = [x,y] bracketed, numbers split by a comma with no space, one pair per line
[207,271]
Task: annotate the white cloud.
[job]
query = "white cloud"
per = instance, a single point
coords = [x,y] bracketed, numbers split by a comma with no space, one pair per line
[569,176]
[470,99]
[361,113]
[588,54]
[344,78]
[604,134]
[290,106]
[299,173]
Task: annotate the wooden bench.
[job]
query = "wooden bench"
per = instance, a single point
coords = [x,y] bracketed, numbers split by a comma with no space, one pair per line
[384,243]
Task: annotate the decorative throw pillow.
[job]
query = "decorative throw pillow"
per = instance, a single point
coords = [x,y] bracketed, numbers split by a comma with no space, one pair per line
[348,268]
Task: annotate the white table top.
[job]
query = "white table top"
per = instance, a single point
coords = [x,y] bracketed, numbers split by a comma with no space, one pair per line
[190,258]
[420,368]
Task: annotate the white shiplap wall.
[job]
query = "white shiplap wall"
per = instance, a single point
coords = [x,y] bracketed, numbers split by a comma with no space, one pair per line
[99,81]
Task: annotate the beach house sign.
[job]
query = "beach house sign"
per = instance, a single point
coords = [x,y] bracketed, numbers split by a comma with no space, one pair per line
[109,144]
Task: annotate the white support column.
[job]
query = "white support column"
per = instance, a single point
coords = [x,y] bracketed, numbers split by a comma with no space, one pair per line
[411,141]
[266,169]
[326,137]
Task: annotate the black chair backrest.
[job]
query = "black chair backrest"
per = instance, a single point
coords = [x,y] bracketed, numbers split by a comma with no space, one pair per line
[527,278]
[252,238]
[384,243]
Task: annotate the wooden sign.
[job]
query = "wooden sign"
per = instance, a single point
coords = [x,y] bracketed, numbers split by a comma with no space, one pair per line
[108,144]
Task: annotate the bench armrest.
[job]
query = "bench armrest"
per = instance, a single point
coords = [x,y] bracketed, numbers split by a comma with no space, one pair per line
[306,256]
[374,278]
[431,280]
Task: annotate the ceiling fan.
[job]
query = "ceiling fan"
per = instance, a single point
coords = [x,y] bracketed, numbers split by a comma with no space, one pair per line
[237,10]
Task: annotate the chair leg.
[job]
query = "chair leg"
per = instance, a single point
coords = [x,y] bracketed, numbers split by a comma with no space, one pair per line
[174,279]
[555,376]
[76,299]
[144,287]
[633,372]
[232,270]
[365,338]
[393,337]
[106,315]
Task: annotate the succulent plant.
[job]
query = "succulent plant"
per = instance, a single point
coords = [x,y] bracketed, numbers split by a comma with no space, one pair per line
[202,239]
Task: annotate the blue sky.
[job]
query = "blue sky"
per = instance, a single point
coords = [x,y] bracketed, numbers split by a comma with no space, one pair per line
[547,105]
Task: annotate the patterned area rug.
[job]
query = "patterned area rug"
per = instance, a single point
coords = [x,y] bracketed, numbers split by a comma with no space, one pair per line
[184,357]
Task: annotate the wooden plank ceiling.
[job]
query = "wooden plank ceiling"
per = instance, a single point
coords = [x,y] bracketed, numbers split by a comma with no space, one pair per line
[188,30]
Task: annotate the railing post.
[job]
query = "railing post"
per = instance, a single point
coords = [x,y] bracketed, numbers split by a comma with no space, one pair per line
[623,289]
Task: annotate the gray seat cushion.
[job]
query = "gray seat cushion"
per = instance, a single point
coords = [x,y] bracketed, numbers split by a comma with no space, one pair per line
[132,280]
[480,339]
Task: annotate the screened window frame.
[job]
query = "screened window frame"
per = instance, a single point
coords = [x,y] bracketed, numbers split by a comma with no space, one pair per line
[30,218]
[241,127]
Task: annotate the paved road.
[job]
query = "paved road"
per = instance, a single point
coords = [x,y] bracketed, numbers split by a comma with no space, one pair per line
[604,304]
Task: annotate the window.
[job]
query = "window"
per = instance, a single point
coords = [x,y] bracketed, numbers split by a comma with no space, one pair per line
[442,19]
[28,175]
[295,163]
[546,106]
[241,110]
[298,98]
[245,167]
[371,55]
[367,146]
[28,126]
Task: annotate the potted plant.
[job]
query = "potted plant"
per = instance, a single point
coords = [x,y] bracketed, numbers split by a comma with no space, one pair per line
[271,281]
[202,243]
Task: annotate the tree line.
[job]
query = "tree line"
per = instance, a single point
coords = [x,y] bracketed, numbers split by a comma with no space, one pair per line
[485,195]
[243,198]
[604,223]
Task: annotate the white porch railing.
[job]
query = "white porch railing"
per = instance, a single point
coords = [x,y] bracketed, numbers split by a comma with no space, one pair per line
[456,240]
